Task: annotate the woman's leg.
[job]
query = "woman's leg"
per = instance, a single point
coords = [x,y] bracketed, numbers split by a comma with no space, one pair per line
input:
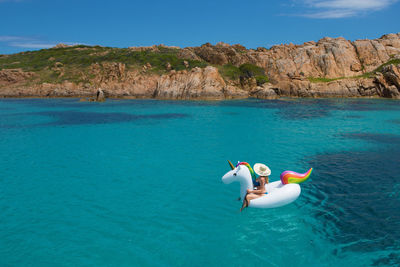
[245,204]
[247,199]
[253,196]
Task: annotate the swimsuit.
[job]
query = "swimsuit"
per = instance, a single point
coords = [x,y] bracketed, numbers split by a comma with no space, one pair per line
[255,183]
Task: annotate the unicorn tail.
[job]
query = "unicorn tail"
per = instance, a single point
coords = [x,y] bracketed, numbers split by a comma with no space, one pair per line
[290,177]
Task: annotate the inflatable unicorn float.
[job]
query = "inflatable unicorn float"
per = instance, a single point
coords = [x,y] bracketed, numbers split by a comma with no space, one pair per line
[278,194]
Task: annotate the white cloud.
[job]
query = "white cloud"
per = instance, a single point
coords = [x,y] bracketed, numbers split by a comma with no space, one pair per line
[330,14]
[8,38]
[34,45]
[28,42]
[353,4]
[328,9]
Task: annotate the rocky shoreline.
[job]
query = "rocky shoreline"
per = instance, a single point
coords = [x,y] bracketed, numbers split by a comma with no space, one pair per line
[331,67]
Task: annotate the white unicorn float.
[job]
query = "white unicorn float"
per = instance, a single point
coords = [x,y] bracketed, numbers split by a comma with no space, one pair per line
[279,193]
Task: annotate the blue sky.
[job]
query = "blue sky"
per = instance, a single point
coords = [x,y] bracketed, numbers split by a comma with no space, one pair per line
[35,24]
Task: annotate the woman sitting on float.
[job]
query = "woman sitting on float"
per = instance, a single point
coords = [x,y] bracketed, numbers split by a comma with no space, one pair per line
[263,172]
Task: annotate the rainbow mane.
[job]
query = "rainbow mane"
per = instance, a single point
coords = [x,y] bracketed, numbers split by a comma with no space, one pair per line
[289,177]
[253,175]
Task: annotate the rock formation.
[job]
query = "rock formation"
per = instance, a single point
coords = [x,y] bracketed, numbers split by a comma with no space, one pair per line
[388,82]
[13,76]
[100,96]
[331,67]
[61,45]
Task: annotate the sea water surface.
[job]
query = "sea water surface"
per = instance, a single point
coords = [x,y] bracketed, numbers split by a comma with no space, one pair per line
[138,182]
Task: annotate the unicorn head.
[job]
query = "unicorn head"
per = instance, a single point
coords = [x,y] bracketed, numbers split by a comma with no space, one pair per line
[243,174]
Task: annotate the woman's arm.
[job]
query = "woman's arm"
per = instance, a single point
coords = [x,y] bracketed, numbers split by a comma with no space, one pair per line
[261,188]
[259,191]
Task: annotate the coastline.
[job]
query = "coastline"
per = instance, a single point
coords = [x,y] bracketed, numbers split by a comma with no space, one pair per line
[80,98]
[331,67]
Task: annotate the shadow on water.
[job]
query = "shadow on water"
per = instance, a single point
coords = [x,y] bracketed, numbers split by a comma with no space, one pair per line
[76,117]
[232,113]
[299,107]
[395,121]
[303,109]
[393,259]
[357,194]
[354,116]
[378,138]
[75,103]
[79,118]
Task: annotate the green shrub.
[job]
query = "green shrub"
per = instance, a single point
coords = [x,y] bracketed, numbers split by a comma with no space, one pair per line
[250,70]
[323,80]
[379,69]
[245,71]
[261,80]
[230,71]
[392,61]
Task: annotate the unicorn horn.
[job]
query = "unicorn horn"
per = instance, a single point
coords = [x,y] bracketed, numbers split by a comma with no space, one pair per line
[230,164]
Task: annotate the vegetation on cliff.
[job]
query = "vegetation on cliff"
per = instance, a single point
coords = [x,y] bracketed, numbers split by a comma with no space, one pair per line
[392,61]
[365,75]
[244,71]
[56,65]
[84,56]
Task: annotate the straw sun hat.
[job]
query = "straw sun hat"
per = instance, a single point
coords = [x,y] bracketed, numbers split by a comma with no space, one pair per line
[261,169]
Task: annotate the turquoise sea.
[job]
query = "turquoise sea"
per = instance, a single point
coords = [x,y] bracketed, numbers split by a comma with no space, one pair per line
[138,182]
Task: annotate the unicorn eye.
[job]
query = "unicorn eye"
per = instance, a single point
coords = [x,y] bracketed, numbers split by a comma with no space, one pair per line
[235,174]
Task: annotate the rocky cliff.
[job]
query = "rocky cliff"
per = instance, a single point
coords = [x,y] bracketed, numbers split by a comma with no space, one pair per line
[327,68]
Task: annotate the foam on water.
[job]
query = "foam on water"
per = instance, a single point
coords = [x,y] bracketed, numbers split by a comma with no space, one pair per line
[138,182]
